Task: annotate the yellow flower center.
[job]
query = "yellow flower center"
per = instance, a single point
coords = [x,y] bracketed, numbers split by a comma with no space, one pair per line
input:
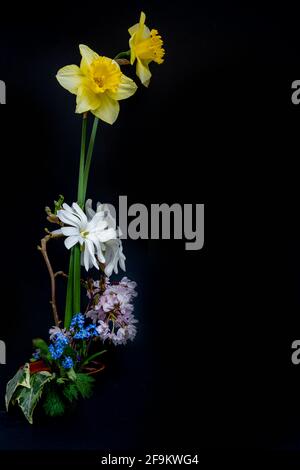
[84,233]
[151,48]
[105,74]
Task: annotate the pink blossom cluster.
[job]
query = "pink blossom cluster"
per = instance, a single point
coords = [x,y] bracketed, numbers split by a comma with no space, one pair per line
[111,308]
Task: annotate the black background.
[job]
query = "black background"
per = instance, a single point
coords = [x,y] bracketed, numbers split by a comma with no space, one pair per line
[211,367]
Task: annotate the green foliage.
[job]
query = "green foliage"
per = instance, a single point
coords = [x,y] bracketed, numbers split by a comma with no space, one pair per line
[27,398]
[25,390]
[92,357]
[21,379]
[58,204]
[40,344]
[84,384]
[53,402]
[71,374]
[70,391]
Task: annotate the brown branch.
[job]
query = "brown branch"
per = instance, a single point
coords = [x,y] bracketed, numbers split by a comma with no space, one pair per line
[43,250]
[60,273]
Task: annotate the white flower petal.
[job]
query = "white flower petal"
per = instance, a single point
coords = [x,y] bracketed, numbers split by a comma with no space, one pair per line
[67,231]
[67,207]
[107,234]
[80,212]
[71,241]
[86,259]
[88,209]
[56,232]
[68,218]
[90,248]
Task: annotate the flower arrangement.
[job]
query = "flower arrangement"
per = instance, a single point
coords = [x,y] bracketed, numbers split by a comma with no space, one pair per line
[62,369]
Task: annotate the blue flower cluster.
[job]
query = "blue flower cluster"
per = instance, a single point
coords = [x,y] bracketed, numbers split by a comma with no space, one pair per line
[37,354]
[67,362]
[77,321]
[80,331]
[56,349]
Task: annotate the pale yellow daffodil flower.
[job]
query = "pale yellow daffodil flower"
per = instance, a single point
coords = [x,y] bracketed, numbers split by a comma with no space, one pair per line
[98,84]
[145,47]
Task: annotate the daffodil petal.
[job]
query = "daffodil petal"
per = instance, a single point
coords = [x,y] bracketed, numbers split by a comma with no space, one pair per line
[143,72]
[108,110]
[140,29]
[126,89]
[133,29]
[88,56]
[132,51]
[86,100]
[70,78]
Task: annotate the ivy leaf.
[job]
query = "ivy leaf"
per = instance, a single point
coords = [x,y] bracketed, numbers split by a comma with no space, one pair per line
[22,378]
[27,399]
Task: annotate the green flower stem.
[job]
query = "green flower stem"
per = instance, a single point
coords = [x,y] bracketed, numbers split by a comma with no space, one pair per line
[69,299]
[80,196]
[123,55]
[89,157]
[76,280]
[74,287]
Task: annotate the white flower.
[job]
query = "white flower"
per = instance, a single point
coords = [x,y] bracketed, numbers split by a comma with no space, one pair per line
[112,249]
[92,234]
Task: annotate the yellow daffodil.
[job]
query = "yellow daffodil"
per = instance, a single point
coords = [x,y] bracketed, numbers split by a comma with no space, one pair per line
[98,84]
[145,47]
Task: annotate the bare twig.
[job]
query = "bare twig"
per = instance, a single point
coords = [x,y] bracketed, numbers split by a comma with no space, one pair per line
[43,250]
[60,273]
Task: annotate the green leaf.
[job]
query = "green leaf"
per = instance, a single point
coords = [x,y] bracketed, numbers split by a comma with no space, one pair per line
[40,344]
[22,378]
[28,398]
[93,356]
[76,279]
[85,383]
[58,204]
[53,402]
[70,391]
[89,157]
[71,374]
